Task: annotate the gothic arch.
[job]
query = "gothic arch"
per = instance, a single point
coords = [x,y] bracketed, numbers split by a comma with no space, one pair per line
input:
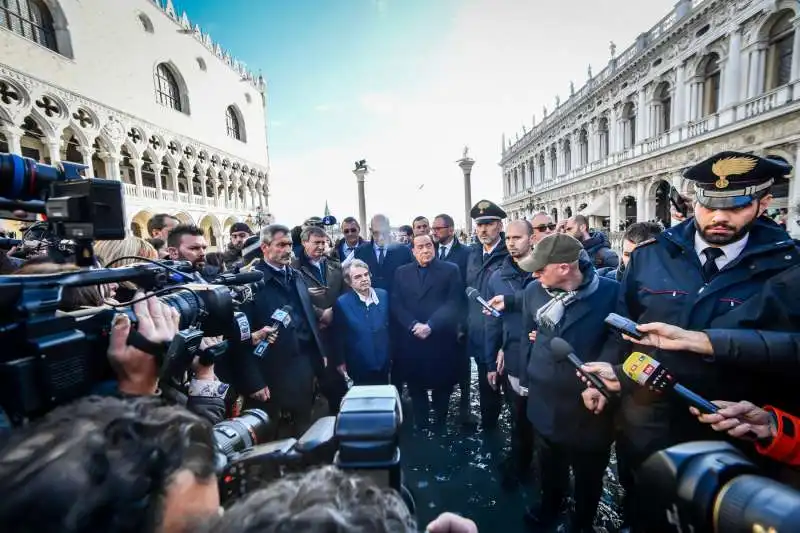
[183,88]
[777,11]
[184,217]
[210,224]
[140,219]
[230,221]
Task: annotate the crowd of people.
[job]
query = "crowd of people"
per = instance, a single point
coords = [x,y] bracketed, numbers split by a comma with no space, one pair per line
[711,296]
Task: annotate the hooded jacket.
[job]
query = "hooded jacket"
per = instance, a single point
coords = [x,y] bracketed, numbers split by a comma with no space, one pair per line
[599,249]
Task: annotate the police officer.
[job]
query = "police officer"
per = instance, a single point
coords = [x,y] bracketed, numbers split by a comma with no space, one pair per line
[691,276]
[485,258]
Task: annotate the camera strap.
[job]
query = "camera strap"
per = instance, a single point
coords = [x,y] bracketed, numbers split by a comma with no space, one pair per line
[157,350]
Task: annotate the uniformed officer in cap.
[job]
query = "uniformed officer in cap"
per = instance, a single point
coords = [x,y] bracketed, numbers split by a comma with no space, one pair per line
[486,257]
[696,276]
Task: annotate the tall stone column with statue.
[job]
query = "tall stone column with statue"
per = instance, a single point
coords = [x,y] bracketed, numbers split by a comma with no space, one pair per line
[466,163]
[361,172]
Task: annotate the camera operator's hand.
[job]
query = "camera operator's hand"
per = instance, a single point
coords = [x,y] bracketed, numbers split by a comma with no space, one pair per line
[451,523]
[739,419]
[669,337]
[201,371]
[137,371]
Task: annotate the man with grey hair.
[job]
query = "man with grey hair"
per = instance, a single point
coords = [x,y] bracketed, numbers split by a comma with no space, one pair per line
[282,379]
[381,254]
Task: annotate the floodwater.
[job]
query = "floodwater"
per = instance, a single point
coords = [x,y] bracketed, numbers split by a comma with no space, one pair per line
[457,471]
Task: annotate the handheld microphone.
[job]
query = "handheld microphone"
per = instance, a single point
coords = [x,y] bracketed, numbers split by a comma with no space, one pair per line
[241,278]
[281,317]
[648,372]
[475,295]
[562,350]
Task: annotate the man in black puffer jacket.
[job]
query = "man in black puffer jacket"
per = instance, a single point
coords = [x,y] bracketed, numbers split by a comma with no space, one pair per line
[595,243]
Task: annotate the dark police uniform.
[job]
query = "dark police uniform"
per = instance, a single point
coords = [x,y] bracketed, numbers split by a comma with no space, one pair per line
[668,281]
[480,267]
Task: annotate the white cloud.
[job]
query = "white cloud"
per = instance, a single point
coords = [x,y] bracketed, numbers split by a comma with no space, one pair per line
[501,61]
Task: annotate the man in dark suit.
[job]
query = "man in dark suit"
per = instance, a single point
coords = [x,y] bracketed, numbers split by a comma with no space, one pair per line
[282,380]
[346,246]
[450,249]
[426,303]
[325,283]
[382,255]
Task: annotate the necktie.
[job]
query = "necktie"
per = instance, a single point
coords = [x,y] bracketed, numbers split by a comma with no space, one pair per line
[381,255]
[485,256]
[710,267]
[321,268]
[442,251]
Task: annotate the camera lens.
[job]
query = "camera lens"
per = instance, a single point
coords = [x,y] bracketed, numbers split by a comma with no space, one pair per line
[754,503]
[187,305]
[243,432]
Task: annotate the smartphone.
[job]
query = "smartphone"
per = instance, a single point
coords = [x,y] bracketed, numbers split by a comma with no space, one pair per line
[623,325]
[678,202]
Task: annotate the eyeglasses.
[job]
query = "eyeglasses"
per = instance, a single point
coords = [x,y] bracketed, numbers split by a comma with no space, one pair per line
[349,231]
[545,227]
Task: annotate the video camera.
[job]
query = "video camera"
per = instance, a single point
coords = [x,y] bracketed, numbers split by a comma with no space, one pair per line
[50,357]
[711,486]
[77,208]
[363,439]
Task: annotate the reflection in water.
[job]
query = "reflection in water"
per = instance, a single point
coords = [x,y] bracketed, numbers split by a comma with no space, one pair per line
[456,471]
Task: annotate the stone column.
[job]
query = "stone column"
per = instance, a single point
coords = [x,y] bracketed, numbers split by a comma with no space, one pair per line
[642,112]
[796,51]
[173,182]
[613,208]
[732,72]
[755,75]
[189,175]
[466,164]
[361,174]
[112,165]
[679,100]
[54,151]
[641,202]
[137,176]
[157,174]
[794,193]
[86,156]
[13,134]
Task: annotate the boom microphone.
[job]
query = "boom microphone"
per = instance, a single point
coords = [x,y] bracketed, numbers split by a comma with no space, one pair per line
[475,295]
[563,350]
[648,372]
[281,317]
[241,278]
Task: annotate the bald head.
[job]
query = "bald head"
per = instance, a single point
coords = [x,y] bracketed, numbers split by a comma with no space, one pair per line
[518,238]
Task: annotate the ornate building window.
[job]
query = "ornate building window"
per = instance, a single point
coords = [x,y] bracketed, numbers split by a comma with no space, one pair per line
[628,125]
[602,131]
[779,54]
[146,23]
[233,124]
[168,92]
[662,103]
[30,19]
[541,167]
[553,161]
[567,155]
[711,84]
[583,146]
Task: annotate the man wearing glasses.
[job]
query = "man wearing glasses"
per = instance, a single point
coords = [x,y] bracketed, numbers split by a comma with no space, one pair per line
[346,246]
[543,226]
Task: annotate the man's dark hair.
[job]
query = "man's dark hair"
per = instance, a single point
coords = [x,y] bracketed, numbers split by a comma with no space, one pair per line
[297,231]
[581,220]
[177,233]
[319,501]
[310,231]
[100,464]
[351,220]
[158,222]
[639,232]
[158,244]
[447,220]
[417,219]
[408,230]
[426,236]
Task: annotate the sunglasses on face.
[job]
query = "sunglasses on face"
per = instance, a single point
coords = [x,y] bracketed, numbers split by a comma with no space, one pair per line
[545,227]
[349,231]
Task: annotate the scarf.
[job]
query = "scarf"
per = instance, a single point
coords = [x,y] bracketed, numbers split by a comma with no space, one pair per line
[550,314]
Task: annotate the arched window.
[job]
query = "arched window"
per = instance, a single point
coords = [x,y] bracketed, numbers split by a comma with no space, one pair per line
[541,167]
[629,125]
[233,124]
[168,92]
[583,146]
[29,18]
[146,23]
[553,161]
[711,83]
[779,54]
[602,131]
[663,111]
[567,156]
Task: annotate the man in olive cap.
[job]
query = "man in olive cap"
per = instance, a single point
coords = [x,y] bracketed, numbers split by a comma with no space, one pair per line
[568,300]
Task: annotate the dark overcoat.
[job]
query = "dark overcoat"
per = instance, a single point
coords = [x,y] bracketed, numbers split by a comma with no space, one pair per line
[432,362]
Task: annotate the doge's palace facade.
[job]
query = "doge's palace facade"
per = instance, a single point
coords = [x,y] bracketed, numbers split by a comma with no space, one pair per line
[712,75]
[138,93]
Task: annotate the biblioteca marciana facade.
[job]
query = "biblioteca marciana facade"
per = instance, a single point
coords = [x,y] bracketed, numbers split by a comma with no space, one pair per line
[712,75]
[138,93]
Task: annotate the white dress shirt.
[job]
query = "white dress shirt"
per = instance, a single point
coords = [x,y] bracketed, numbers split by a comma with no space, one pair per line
[446,247]
[729,251]
[370,299]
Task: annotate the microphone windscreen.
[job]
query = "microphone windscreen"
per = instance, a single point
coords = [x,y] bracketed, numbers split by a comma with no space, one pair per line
[561,348]
[640,367]
[472,292]
[287,309]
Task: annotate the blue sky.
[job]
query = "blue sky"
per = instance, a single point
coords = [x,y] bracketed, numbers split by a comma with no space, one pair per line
[406,84]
